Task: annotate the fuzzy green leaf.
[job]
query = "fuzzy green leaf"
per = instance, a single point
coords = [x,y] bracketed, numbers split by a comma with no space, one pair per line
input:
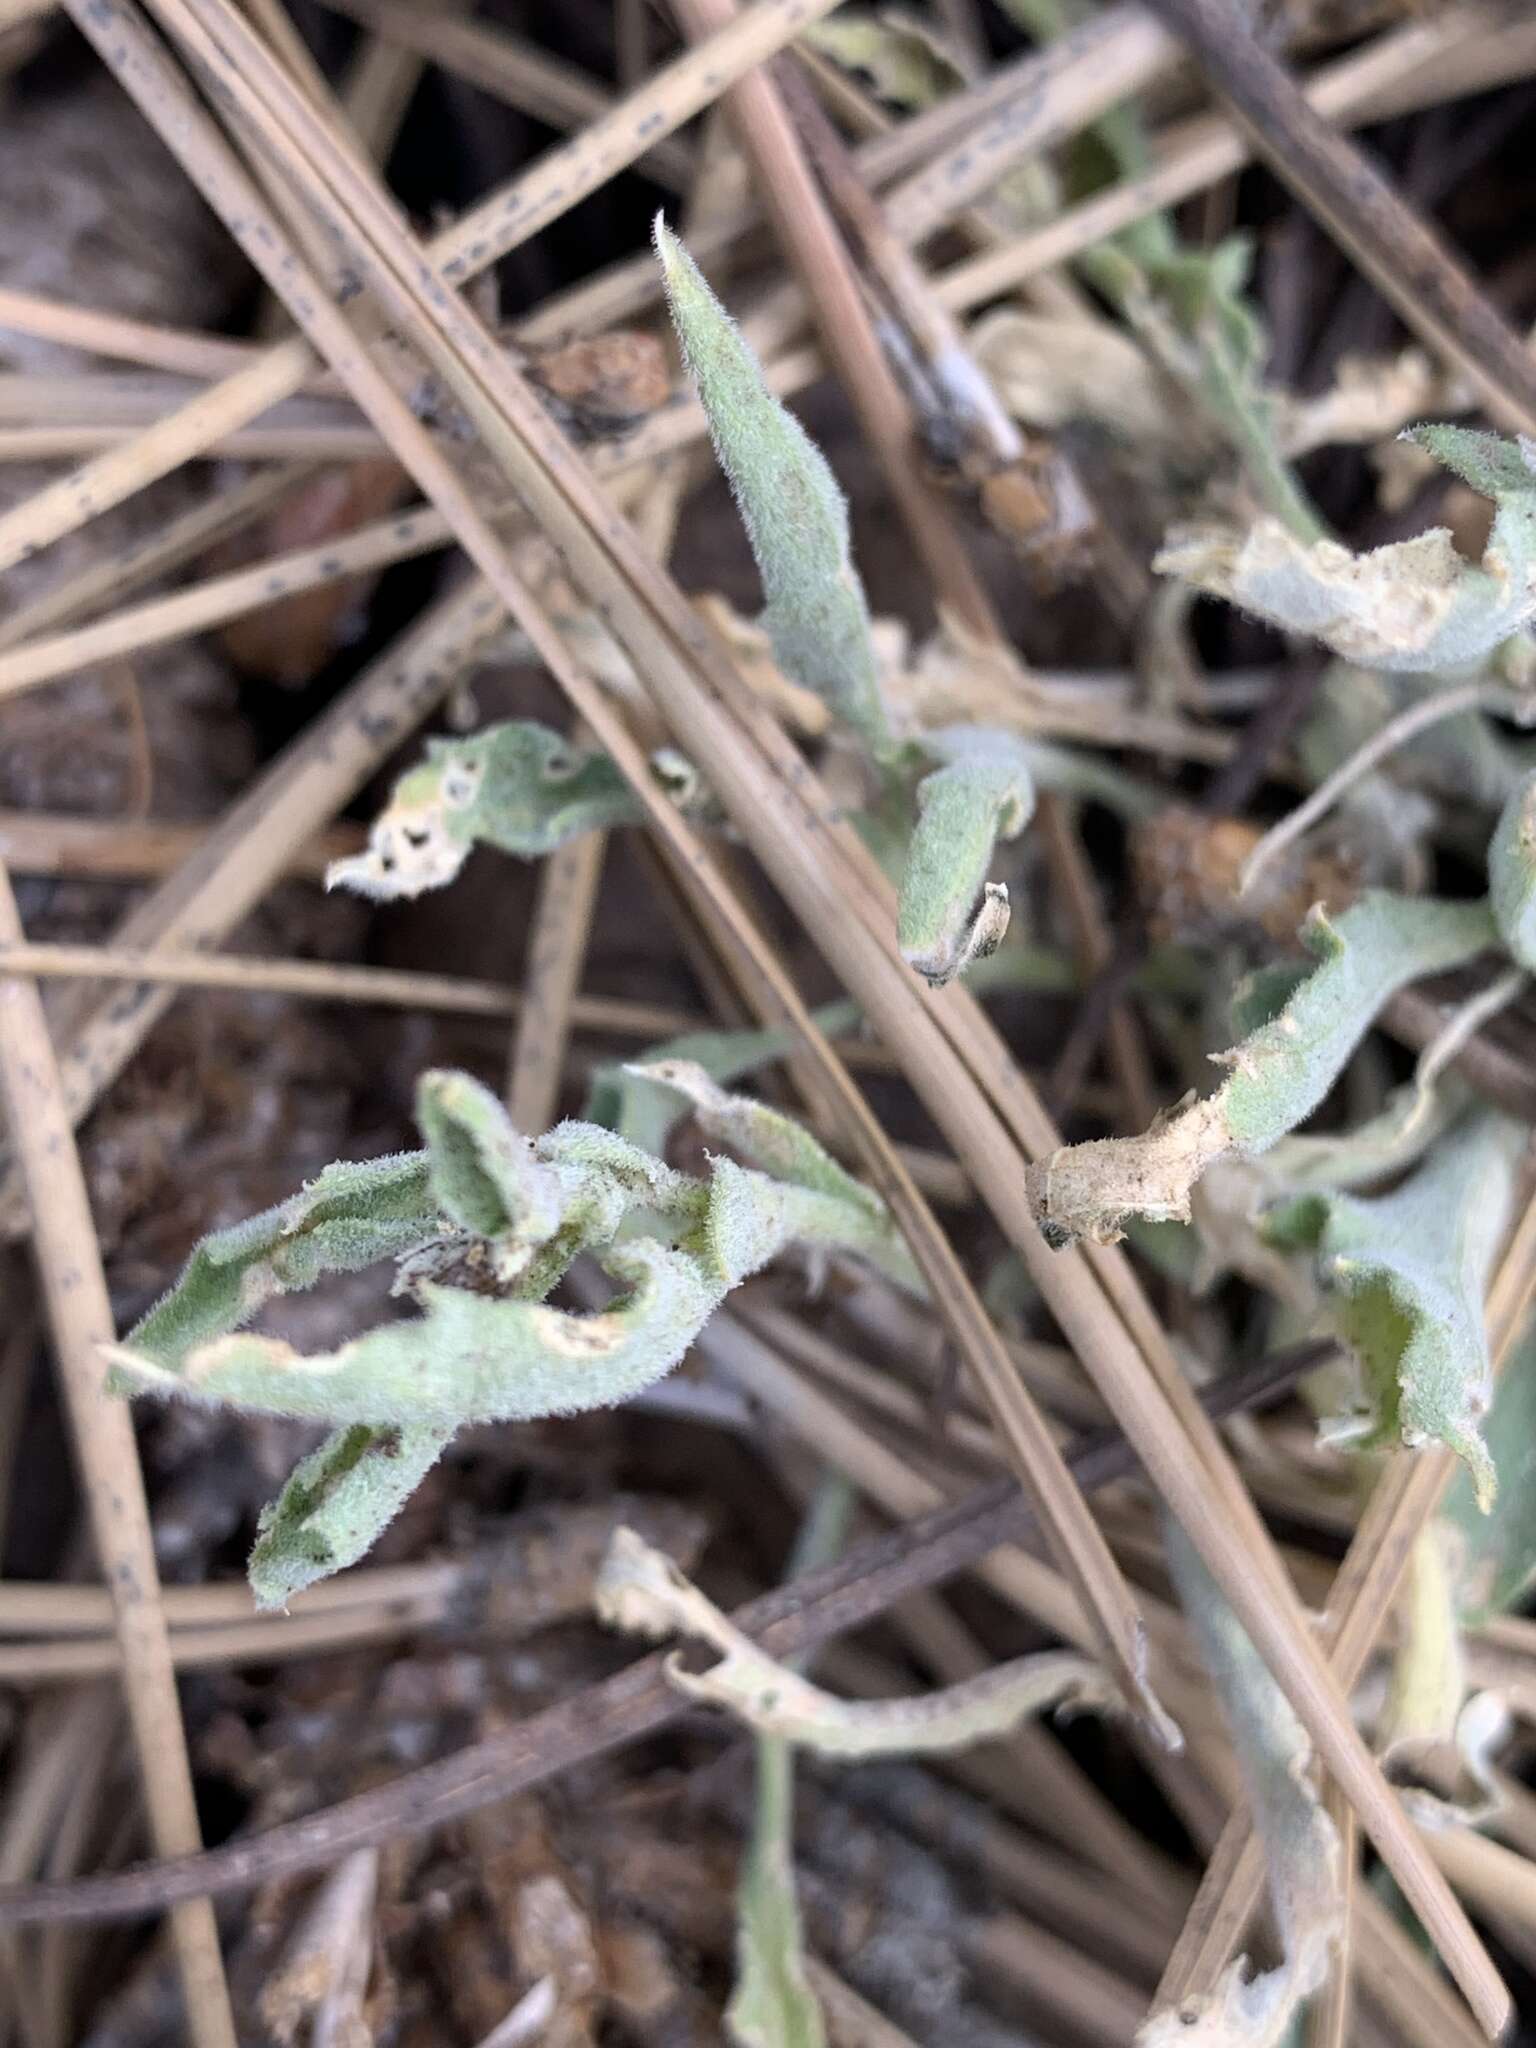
[797,522]
[810,1199]
[1407,1273]
[1415,605]
[483,1224]
[773,2005]
[466,1358]
[1498,1561]
[484,1173]
[1301,1844]
[981,792]
[1279,1073]
[1512,874]
[351,1215]
[336,1503]
[519,786]
[624,1099]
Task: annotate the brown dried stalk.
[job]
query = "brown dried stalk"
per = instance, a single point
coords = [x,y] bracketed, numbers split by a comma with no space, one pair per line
[80,1318]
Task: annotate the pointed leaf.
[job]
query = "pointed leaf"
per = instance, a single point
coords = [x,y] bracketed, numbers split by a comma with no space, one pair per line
[336,1503]
[349,1216]
[467,1358]
[794,513]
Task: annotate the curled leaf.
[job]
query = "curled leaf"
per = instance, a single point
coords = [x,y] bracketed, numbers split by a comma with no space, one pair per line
[1312,1022]
[335,1504]
[1414,605]
[467,1358]
[484,1173]
[640,1589]
[517,786]
[624,1098]
[1301,1844]
[1407,1274]
[1497,1563]
[816,1200]
[1512,874]
[1433,1739]
[981,792]
[794,513]
[351,1215]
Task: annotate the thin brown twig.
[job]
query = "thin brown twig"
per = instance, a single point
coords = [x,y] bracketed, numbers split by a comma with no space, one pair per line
[1407,260]
[80,1318]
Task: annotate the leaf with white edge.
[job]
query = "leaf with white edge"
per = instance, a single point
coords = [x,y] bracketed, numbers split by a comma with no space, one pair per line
[795,515]
[1407,1274]
[772,2005]
[981,792]
[1280,1072]
[335,1504]
[1498,1549]
[642,1591]
[1415,605]
[466,1358]
[816,1200]
[1512,874]
[1301,1844]
[349,1216]
[484,1172]
[518,786]
[625,1100]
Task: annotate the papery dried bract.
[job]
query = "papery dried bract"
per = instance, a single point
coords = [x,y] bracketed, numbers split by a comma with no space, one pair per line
[518,786]
[639,1589]
[1413,605]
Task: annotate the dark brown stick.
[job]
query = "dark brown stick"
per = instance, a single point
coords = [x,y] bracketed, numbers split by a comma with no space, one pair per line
[635,1703]
[1409,263]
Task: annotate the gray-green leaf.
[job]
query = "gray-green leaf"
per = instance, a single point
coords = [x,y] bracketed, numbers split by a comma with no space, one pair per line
[796,519]
[519,786]
[981,792]
[335,1504]
[1512,874]
[1407,1272]
[1278,1074]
